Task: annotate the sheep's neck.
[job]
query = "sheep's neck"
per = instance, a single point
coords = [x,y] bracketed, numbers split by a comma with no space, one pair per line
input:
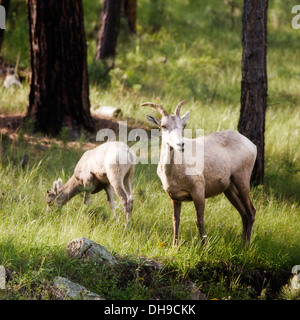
[167,160]
[68,190]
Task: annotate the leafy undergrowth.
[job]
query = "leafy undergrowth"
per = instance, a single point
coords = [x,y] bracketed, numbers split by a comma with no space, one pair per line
[131,280]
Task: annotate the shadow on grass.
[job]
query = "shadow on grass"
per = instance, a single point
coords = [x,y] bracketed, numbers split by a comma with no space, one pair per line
[283,179]
[255,282]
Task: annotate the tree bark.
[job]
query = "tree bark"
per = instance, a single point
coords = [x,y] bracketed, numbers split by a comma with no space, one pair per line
[5,4]
[59,88]
[129,8]
[254,84]
[109,30]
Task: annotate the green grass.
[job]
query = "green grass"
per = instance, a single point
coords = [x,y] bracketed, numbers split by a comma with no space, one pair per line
[193,55]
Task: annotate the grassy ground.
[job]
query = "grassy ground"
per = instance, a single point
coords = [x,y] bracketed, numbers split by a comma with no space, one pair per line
[194,54]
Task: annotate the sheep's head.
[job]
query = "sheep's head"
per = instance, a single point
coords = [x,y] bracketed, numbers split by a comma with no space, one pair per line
[172,126]
[53,194]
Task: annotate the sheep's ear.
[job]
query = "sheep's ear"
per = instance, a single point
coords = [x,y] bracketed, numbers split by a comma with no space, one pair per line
[153,120]
[186,117]
[54,187]
[59,183]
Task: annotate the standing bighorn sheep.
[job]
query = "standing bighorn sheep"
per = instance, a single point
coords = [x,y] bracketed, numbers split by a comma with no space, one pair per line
[228,162]
[109,166]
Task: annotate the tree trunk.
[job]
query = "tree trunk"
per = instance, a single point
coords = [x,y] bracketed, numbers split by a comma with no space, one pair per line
[129,8]
[5,4]
[109,29]
[254,80]
[59,89]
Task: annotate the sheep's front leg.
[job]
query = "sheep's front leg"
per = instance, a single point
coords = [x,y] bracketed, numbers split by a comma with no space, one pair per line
[176,221]
[87,196]
[199,203]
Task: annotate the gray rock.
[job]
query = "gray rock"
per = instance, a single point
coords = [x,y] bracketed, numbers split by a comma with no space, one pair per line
[151,263]
[12,80]
[196,294]
[73,290]
[295,282]
[86,249]
[106,111]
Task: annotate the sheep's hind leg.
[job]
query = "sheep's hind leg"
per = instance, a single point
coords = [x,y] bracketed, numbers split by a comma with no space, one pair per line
[233,195]
[128,187]
[244,195]
[110,198]
[122,194]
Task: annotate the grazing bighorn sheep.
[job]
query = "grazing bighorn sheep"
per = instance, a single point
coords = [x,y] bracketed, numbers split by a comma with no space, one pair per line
[109,166]
[228,162]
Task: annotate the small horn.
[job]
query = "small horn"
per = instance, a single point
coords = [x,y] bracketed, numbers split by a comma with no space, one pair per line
[156,106]
[180,104]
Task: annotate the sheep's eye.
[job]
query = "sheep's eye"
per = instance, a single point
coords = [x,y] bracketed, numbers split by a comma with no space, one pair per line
[164,127]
